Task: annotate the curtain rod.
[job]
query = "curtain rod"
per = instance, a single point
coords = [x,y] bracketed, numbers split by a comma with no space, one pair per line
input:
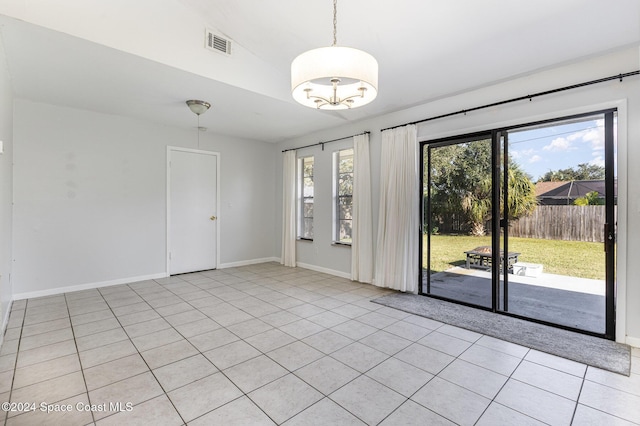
[521,98]
[322,143]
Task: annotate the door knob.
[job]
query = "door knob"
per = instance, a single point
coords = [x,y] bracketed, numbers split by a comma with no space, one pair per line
[213,218]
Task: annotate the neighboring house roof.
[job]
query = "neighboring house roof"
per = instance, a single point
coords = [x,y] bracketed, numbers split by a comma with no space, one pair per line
[543,188]
[571,189]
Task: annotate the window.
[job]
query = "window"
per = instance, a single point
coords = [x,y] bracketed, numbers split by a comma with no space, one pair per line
[305,197]
[343,190]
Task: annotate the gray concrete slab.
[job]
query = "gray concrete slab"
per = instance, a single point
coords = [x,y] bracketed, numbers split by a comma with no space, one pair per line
[568,301]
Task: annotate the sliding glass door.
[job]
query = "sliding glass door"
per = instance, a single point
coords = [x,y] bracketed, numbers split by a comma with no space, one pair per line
[521,221]
[457,185]
[566,243]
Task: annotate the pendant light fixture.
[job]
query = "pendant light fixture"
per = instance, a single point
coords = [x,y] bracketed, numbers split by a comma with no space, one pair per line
[334,77]
[198,108]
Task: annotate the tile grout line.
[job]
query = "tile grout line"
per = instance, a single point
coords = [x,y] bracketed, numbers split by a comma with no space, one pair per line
[69,316]
[75,342]
[15,363]
[141,357]
[244,394]
[360,373]
[261,351]
[201,353]
[247,287]
[288,371]
[575,409]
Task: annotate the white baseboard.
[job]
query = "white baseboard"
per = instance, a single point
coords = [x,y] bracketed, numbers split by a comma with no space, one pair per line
[633,341]
[277,259]
[248,262]
[324,270]
[89,286]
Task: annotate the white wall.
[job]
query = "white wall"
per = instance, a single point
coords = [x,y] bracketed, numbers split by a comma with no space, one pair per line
[167,32]
[625,95]
[6,190]
[90,198]
[247,197]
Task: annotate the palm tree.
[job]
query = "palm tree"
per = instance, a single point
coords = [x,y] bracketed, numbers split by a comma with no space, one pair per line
[590,199]
[460,178]
[522,194]
[477,205]
[522,200]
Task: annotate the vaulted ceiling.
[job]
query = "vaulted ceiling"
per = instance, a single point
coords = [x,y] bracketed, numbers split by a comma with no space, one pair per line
[144,58]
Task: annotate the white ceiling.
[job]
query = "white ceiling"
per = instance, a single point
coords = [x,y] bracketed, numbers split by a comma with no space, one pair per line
[426,50]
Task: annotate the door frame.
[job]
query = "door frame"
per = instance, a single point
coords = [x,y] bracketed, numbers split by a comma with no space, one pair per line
[168,206]
[615,295]
[439,143]
[611,298]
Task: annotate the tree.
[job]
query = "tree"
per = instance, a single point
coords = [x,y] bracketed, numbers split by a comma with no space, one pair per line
[454,170]
[522,193]
[461,186]
[477,204]
[522,199]
[590,199]
[345,196]
[584,171]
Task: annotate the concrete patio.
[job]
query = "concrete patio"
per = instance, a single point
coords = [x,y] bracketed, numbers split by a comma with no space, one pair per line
[569,301]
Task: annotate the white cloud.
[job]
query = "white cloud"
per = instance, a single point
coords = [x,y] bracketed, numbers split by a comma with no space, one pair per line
[535,159]
[597,161]
[594,135]
[559,145]
[575,136]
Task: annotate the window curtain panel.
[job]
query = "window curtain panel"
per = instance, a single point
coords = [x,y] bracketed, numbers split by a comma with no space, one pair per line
[362,231]
[398,225]
[289,209]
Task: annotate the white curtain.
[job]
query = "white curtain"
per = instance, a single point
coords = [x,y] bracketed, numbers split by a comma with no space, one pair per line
[362,223]
[398,226]
[289,209]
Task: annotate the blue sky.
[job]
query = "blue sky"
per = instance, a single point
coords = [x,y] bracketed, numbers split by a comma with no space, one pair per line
[558,147]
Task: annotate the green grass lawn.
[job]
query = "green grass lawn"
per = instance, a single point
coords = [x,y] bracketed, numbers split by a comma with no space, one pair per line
[572,258]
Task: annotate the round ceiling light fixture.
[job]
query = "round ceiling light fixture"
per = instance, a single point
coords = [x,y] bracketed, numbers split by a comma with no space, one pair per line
[334,77]
[198,107]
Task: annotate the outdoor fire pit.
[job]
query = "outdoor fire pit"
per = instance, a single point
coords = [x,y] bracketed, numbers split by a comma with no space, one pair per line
[480,258]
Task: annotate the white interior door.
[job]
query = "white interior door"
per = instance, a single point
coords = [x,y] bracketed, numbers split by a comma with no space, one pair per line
[192,211]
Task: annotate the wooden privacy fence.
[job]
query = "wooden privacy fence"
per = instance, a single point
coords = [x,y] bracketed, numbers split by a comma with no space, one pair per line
[569,223]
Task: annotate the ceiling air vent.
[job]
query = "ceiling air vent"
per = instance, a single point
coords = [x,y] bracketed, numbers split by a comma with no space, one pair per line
[217,43]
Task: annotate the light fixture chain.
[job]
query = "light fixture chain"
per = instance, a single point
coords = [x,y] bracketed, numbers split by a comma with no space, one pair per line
[335,22]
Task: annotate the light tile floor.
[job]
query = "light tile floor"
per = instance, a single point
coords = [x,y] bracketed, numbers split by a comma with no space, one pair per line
[264,345]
